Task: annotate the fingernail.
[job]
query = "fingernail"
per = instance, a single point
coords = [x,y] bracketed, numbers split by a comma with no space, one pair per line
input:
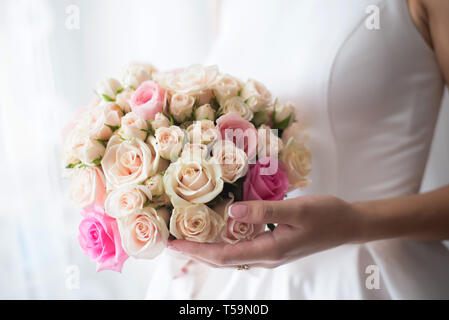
[238,210]
[172,247]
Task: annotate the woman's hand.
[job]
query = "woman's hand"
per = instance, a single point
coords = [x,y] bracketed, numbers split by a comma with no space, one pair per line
[305,225]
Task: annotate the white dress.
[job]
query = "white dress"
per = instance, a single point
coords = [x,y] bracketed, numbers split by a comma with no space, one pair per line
[369,100]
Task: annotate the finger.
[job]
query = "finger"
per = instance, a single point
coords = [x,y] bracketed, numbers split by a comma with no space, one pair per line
[262,212]
[261,249]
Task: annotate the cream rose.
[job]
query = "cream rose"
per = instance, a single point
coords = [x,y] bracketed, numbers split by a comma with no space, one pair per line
[236,104]
[129,161]
[284,111]
[233,161]
[196,181]
[144,232]
[123,98]
[226,86]
[298,162]
[125,200]
[169,142]
[108,89]
[160,121]
[202,132]
[193,80]
[256,95]
[181,106]
[196,223]
[268,143]
[79,147]
[205,112]
[134,74]
[133,126]
[87,186]
[155,185]
[192,151]
[102,120]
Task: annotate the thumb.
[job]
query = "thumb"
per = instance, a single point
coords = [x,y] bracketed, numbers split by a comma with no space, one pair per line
[262,212]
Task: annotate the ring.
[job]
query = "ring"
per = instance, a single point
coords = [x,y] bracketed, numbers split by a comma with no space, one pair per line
[243,267]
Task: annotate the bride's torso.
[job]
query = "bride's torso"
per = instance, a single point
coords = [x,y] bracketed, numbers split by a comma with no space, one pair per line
[368,99]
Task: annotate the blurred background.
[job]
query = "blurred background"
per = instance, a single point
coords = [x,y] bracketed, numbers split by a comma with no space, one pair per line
[49,66]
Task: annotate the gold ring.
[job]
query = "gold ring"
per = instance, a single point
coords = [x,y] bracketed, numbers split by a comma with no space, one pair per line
[243,267]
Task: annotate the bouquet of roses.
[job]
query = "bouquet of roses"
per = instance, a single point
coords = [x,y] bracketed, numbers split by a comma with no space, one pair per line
[161,154]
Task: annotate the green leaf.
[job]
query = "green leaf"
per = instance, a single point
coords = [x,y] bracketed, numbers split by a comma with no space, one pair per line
[147,203]
[107,98]
[239,92]
[149,132]
[169,116]
[113,128]
[72,165]
[273,115]
[97,161]
[259,118]
[119,90]
[283,124]
[103,142]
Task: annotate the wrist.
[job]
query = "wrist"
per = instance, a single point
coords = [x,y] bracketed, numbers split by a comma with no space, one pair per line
[367,222]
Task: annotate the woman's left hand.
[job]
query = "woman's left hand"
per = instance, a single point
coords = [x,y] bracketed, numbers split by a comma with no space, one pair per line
[305,225]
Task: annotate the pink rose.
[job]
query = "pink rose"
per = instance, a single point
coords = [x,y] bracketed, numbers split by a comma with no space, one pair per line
[148,100]
[240,131]
[266,180]
[99,238]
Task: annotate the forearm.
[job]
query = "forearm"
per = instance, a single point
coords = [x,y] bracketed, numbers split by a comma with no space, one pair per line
[422,216]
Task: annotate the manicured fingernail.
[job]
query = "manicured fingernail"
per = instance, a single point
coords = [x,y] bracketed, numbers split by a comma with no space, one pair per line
[238,210]
[172,247]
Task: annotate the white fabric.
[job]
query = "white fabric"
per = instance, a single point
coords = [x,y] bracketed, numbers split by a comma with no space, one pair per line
[369,100]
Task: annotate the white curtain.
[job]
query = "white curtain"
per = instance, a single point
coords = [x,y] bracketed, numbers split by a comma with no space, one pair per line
[48,70]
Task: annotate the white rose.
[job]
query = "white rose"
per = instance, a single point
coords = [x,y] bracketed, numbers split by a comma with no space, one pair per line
[196,181]
[236,104]
[129,162]
[160,121]
[133,126]
[144,232]
[87,186]
[268,143]
[205,112]
[202,132]
[135,73]
[108,89]
[196,223]
[233,161]
[284,111]
[102,120]
[169,142]
[298,162]
[256,95]
[193,151]
[123,99]
[125,200]
[226,86]
[195,79]
[181,106]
